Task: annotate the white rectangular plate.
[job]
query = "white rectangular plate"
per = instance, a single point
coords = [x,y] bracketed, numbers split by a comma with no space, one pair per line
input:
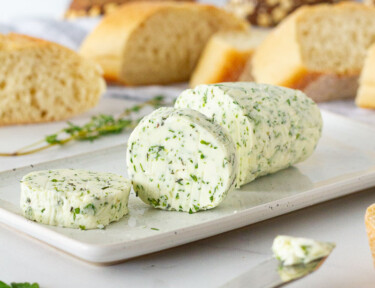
[343,163]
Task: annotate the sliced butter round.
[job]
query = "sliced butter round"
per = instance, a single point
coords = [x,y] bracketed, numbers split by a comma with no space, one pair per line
[74,198]
[179,160]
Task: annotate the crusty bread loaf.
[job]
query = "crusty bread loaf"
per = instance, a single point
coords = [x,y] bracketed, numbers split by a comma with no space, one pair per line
[93,8]
[225,56]
[317,49]
[43,81]
[155,43]
[366,93]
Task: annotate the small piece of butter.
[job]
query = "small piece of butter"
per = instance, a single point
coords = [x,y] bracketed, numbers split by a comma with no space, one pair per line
[293,251]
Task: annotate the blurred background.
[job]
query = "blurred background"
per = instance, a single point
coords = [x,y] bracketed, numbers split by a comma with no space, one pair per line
[43,8]
[47,8]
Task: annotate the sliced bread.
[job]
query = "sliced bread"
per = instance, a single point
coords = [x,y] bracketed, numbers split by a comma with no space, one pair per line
[155,43]
[43,81]
[319,49]
[366,93]
[225,56]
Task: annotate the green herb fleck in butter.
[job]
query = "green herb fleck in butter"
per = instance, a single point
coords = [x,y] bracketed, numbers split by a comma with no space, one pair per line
[182,156]
[293,251]
[273,127]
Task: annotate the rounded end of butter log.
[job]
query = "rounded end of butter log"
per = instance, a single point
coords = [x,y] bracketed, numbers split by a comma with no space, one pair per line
[179,160]
[273,127]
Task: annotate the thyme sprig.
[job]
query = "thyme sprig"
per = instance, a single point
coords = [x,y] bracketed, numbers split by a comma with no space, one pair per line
[98,126]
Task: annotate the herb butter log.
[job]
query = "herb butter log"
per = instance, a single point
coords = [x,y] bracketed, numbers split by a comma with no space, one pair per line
[179,160]
[74,198]
[272,127]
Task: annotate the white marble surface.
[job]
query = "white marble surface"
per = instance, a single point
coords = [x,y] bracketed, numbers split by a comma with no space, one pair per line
[211,262]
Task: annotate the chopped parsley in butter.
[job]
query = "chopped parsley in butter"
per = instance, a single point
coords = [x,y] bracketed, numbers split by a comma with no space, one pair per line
[272,127]
[178,160]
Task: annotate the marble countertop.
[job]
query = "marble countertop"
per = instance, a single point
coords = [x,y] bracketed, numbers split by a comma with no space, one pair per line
[210,262]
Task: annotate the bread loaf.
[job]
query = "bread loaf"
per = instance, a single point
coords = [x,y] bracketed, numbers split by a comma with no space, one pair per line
[225,56]
[366,93]
[43,81]
[318,49]
[155,43]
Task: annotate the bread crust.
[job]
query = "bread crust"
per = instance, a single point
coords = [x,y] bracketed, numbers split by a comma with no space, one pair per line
[228,62]
[366,93]
[13,42]
[226,55]
[107,43]
[321,87]
[366,97]
[233,67]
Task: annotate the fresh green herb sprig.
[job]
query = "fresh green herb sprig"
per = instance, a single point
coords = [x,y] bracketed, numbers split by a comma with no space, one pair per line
[98,126]
[19,285]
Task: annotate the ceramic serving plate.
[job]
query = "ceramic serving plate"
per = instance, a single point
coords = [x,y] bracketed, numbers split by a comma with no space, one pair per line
[343,163]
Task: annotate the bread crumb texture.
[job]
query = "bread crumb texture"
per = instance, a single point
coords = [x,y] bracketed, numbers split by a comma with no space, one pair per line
[335,38]
[327,41]
[225,56]
[42,81]
[155,43]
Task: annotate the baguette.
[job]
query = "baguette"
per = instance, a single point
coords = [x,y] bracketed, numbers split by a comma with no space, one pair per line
[42,81]
[155,43]
[318,49]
